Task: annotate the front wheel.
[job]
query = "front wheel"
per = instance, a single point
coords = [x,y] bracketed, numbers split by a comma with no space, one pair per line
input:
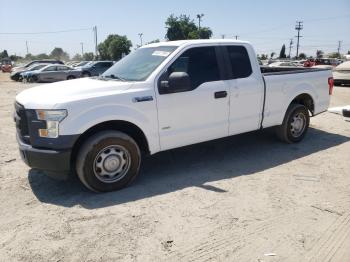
[108,161]
[295,124]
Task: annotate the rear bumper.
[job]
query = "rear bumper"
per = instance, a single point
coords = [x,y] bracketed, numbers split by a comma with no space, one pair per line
[55,163]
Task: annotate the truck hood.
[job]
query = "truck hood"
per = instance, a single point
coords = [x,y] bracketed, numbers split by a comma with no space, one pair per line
[50,96]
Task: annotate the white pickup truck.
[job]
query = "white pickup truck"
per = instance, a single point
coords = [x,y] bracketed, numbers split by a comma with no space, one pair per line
[159,97]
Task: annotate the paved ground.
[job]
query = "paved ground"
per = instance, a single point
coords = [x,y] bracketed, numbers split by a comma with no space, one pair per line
[245,198]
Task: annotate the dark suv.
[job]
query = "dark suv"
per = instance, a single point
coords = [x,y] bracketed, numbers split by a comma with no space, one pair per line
[95,68]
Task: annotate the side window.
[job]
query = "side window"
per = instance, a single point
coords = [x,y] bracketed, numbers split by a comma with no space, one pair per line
[62,68]
[200,63]
[240,62]
[51,68]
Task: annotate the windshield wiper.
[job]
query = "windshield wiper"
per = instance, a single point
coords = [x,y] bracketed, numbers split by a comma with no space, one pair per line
[112,77]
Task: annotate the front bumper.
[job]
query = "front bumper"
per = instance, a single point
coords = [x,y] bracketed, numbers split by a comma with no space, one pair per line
[55,163]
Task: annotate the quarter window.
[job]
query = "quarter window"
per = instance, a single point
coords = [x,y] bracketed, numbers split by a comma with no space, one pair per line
[240,62]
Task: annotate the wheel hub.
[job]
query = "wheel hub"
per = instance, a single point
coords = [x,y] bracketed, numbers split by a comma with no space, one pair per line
[297,125]
[112,163]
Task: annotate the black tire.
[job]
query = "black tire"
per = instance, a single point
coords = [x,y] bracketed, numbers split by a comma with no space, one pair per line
[90,155]
[70,77]
[85,74]
[287,132]
[33,79]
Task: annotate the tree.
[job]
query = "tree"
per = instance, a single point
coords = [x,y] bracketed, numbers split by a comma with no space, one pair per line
[153,41]
[4,54]
[114,47]
[183,27]
[264,57]
[334,55]
[349,52]
[319,54]
[15,57]
[283,51]
[42,56]
[302,56]
[89,56]
[77,57]
[272,55]
[59,54]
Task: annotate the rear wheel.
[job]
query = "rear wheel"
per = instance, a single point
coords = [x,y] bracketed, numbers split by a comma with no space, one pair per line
[70,77]
[33,79]
[108,161]
[295,124]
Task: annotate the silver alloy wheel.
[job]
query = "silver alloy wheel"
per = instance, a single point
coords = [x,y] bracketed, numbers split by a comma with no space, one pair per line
[112,163]
[297,126]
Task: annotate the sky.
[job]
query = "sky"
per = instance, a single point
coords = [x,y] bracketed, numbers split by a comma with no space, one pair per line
[266,24]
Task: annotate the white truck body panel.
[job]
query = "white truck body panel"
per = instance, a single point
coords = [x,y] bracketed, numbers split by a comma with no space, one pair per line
[179,119]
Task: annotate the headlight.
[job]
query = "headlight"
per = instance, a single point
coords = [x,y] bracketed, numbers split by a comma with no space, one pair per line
[52,118]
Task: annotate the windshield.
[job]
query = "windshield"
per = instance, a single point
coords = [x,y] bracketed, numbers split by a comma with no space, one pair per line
[138,65]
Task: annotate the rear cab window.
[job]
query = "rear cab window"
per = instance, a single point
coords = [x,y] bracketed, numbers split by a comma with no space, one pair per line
[239,61]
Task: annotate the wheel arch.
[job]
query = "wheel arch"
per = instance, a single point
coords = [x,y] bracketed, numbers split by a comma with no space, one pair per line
[118,125]
[306,100]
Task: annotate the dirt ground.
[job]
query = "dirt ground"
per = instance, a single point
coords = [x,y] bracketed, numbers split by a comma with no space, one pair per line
[244,198]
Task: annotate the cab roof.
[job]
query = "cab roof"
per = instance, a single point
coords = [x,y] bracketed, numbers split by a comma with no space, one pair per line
[196,41]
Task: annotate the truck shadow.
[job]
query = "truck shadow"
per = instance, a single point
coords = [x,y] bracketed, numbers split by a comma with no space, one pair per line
[189,166]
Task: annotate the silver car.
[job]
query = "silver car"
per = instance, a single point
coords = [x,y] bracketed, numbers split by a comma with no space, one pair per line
[53,73]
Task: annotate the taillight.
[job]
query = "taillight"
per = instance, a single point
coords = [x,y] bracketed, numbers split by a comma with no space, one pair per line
[331,85]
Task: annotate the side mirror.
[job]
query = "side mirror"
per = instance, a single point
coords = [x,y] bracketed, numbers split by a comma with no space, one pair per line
[177,82]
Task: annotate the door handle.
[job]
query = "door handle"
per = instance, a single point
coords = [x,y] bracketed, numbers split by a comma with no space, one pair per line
[220,94]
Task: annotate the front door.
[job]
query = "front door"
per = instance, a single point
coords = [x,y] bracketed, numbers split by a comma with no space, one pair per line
[199,113]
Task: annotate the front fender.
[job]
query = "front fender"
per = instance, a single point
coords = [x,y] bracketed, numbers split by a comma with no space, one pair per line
[77,122]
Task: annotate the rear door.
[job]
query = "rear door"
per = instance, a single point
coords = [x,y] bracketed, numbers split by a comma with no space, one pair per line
[62,72]
[201,112]
[48,74]
[246,89]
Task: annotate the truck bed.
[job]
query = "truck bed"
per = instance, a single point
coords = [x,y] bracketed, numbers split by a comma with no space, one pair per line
[266,70]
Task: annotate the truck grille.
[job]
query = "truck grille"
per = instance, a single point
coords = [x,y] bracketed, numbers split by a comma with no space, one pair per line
[21,123]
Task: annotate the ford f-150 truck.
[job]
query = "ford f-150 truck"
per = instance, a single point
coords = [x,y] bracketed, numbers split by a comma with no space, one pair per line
[162,96]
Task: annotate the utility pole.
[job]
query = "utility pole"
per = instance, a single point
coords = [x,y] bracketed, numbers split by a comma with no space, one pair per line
[298,27]
[199,16]
[82,49]
[290,46]
[339,47]
[236,36]
[140,35]
[95,38]
[27,47]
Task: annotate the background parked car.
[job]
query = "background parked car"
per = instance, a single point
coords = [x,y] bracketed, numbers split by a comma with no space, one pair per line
[341,74]
[18,75]
[283,64]
[82,63]
[45,61]
[52,73]
[95,68]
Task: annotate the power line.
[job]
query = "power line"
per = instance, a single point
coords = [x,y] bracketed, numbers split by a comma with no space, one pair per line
[290,46]
[45,32]
[27,47]
[298,27]
[95,38]
[140,35]
[339,46]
